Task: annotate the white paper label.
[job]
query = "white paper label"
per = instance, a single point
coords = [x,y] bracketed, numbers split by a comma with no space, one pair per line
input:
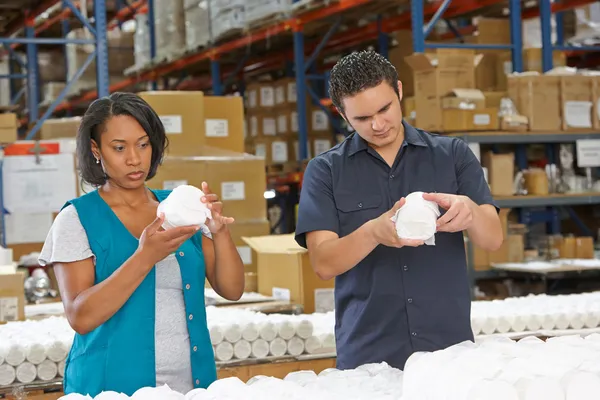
[279,95]
[233,191]
[170,185]
[324,300]
[281,294]
[9,308]
[588,153]
[27,228]
[294,121]
[481,119]
[245,254]
[269,127]
[173,124]
[279,151]
[282,124]
[267,96]
[252,103]
[476,149]
[292,96]
[319,121]
[253,126]
[322,145]
[216,127]
[413,114]
[578,114]
[260,150]
[507,67]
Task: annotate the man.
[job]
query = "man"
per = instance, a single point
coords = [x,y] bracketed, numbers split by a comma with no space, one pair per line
[393,297]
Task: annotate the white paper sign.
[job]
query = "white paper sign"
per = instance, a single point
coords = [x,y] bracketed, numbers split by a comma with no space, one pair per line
[173,124]
[588,153]
[294,121]
[324,300]
[319,121]
[322,145]
[269,126]
[291,92]
[267,96]
[282,124]
[279,151]
[245,254]
[481,119]
[170,185]
[252,99]
[260,150]
[253,126]
[233,191]
[578,114]
[38,188]
[281,294]
[279,95]
[27,228]
[216,127]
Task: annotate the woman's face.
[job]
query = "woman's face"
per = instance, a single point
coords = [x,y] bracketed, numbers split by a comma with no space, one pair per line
[124,151]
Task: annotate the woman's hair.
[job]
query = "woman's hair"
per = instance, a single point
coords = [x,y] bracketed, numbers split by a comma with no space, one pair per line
[93,124]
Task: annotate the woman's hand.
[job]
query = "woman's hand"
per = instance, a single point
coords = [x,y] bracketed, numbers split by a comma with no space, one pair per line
[218,221]
[156,243]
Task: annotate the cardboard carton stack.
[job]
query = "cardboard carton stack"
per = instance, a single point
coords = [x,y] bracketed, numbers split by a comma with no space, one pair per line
[272,123]
[8,128]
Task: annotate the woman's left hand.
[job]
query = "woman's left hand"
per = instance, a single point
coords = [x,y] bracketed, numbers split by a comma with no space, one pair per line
[218,221]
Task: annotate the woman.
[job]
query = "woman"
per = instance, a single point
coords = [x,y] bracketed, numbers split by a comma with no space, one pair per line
[133,292]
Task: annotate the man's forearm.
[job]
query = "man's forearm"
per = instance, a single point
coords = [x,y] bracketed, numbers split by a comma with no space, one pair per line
[485,230]
[335,256]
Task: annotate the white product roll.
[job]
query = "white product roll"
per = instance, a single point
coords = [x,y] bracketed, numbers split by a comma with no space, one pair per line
[577,319]
[277,347]
[250,332]
[61,368]
[233,333]
[16,354]
[196,394]
[592,319]
[312,345]
[327,341]
[302,378]
[267,331]
[3,352]
[286,330]
[492,390]
[504,323]
[304,329]
[242,349]
[518,324]
[540,388]
[562,321]
[7,374]
[260,348]
[489,325]
[26,372]
[224,351]
[216,335]
[548,321]
[47,370]
[111,395]
[534,322]
[476,325]
[57,350]
[35,353]
[581,386]
[295,346]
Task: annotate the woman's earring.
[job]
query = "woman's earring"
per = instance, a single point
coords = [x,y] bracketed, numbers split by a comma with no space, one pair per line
[97,161]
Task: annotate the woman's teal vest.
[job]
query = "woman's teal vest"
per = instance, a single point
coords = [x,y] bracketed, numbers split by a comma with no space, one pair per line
[119,355]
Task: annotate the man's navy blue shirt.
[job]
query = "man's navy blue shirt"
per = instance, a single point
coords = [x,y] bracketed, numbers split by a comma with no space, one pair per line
[396,301]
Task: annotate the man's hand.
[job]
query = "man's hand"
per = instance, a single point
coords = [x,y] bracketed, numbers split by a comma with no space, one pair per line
[459,211]
[384,229]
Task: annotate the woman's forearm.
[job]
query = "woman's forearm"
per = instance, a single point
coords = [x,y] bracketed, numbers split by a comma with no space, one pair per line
[229,268]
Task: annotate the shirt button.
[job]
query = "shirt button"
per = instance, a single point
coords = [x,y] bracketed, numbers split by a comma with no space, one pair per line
[195,348]
[181,254]
[359,205]
[414,333]
[197,381]
[405,268]
[191,317]
[187,286]
[392,176]
[409,300]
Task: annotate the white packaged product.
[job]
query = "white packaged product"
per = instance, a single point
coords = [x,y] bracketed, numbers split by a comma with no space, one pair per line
[183,207]
[417,219]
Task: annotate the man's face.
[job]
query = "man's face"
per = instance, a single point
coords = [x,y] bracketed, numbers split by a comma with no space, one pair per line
[375,114]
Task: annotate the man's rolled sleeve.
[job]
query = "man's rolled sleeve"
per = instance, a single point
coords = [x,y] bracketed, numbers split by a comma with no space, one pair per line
[469,174]
[317,210]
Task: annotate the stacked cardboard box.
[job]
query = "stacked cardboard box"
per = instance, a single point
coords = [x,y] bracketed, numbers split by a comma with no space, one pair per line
[8,128]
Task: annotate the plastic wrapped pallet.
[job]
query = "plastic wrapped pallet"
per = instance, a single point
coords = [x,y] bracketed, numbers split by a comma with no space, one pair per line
[197,24]
[257,10]
[218,7]
[169,23]
[141,40]
[227,22]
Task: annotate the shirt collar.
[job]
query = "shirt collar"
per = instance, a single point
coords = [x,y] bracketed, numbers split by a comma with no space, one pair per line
[411,136]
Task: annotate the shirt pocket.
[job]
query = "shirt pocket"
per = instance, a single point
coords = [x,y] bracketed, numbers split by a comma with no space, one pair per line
[354,211]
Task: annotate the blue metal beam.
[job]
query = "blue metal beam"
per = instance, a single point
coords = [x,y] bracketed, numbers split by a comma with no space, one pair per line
[416,8]
[17,96]
[32,76]
[152,36]
[546,29]
[383,40]
[516,35]
[573,215]
[309,62]
[577,48]
[436,17]
[32,40]
[301,95]
[238,68]
[13,76]
[455,31]
[102,78]
[16,57]
[31,134]
[215,74]
[2,210]
[80,17]
[560,27]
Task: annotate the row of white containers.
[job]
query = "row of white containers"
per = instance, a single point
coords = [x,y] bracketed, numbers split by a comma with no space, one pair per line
[190,24]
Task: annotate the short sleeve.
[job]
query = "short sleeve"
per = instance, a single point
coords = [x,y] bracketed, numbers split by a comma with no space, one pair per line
[67,240]
[469,175]
[317,210]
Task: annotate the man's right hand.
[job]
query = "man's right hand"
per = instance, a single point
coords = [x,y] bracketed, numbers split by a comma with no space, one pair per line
[384,229]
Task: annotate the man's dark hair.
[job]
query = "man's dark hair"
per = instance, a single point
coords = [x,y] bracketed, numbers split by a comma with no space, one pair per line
[359,71]
[93,124]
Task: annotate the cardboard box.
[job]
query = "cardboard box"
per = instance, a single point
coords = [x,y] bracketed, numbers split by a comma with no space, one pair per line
[532,61]
[537,97]
[596,102]
[263,124]
[470,120]
[287,122]
[12,297]
[397,57]
[317,144]
[274,150]
[285,272]
[224,122]
[501,172]
[242,229]
[464,99]
[8,128]
[437,73]
[285,93]
[408,109]
[494,99]
[260,96]
[516,248]
[319,121]
[58,128]
[182,114]
[238,179]
[576,98]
